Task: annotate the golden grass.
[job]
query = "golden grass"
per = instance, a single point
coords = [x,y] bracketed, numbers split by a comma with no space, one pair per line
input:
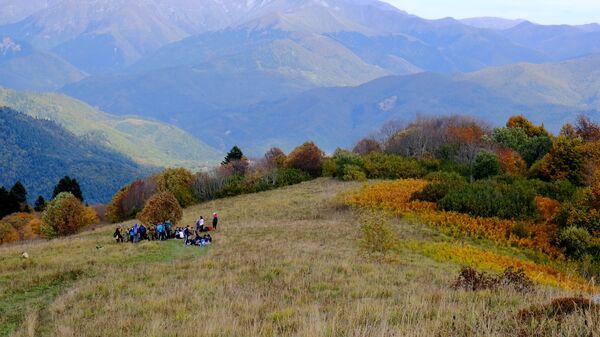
[284,263]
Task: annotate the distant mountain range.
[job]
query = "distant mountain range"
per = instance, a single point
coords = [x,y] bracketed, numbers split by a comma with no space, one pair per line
[278,72]
[39,152]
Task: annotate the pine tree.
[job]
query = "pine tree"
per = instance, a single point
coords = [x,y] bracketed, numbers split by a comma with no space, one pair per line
[67,184]
[40,204]
[8,204]
[18,192]
[234,155]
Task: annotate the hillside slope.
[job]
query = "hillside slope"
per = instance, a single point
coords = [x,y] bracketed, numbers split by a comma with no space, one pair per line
[574,83]
[284,263]
[145,141]
[39,153]
[23,67]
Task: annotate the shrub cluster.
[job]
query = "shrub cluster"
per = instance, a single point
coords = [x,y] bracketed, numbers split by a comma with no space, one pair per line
[472,280]
[489,199]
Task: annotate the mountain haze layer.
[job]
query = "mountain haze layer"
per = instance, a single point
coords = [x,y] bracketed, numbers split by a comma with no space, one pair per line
[278,72]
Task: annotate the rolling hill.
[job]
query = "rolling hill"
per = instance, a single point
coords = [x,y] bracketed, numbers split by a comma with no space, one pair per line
[23,67]
[557,42]
[145,141]
[39,153]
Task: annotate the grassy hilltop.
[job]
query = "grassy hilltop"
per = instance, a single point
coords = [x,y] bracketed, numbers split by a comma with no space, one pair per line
[284,263]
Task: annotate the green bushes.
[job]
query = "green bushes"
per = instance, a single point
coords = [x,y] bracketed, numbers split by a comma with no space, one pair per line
[377,236]
[353,173]
[254,183]
[486,165]
[576,241]
[287,177]
[437,190]
[387,166]
[487,199]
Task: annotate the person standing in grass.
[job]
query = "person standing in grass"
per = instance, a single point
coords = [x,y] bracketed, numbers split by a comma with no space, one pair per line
[160,229]
[215,220]
[118,236]
[132,235]
[200,224]
[186,235]
[168,227]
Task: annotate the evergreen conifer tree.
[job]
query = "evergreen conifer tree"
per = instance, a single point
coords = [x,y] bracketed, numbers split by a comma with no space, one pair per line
[235,154]
[40,204]
[67,184]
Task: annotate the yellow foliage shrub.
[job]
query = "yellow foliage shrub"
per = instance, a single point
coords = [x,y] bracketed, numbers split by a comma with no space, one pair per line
[395,196]
[483,259]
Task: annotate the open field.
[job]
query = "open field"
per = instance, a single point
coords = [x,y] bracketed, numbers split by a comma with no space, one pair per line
[284,263]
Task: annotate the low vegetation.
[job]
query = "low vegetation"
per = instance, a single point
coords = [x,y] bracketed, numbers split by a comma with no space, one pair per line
[516,208]
[287,262]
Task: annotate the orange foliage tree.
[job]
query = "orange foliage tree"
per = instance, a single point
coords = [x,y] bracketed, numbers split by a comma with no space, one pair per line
[530,129]
[308,158]
[511,161]
[26,225]
[66,215]
[161,207]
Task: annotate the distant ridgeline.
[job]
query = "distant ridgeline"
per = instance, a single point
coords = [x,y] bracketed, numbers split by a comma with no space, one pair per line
[39,153]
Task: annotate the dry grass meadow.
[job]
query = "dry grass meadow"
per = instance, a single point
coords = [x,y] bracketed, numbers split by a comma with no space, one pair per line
[284,263]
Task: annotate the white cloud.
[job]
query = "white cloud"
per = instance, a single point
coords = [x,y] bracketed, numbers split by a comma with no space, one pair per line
[542,11]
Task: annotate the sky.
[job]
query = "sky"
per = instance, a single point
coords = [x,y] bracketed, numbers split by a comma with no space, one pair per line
[539,11]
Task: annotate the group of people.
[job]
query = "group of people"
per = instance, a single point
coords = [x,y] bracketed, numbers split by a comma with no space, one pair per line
[164,231]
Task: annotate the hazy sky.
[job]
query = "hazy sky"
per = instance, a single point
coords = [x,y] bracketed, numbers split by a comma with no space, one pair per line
[540,11]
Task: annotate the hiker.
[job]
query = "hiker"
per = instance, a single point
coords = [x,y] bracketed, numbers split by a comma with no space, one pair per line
[200,224]
[143,233]
[132,235]
[161,231]
[117,235]
[206,240]
[186,234]
[215,221]
[152,231]
[136,231]
[168,232]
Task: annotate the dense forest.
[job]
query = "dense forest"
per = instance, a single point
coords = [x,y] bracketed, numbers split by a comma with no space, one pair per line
[39,153]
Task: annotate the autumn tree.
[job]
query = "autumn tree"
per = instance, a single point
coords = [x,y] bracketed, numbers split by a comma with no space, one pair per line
[128,201]
[67,184]
[25,224]
[565,161]
[65,215]
[7,233]
[275,158]
[179,182]
[367,146]
[520,122]
[308,158]
[587,129]
[161,207]
[530,141]
[511,162]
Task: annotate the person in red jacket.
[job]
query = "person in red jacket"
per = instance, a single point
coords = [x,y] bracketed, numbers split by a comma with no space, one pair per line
[215,221]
